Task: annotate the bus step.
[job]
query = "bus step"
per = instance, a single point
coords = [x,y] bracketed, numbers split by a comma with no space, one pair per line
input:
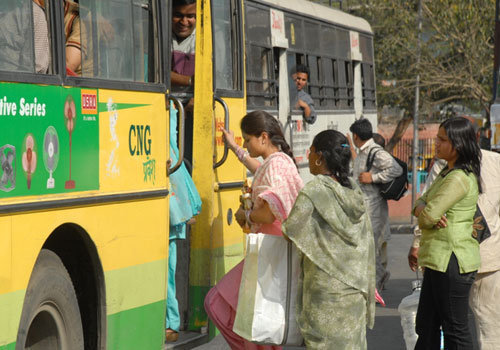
[188,340]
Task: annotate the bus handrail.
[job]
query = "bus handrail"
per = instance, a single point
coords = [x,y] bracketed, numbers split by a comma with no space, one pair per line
[180,108]
[226,126]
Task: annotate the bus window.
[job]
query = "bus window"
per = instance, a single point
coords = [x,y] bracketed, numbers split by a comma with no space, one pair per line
[116,40]
[24,43]
[336,79]
[328,93]
[311,32]
[346,85]
[261,82]
[367,74]
[329,41]
[261,89]
[368,85]
[227,45]
[294,32]
[349,73]
[314,78]
[291,64]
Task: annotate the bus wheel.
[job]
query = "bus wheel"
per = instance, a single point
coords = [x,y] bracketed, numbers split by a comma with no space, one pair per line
[51,316]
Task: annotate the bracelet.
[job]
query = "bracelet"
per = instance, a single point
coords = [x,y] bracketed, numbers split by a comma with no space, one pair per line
[247,217]
[190,81]
[241,153]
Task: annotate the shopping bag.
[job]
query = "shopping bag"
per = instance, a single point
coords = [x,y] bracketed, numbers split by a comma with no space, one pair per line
[267,297]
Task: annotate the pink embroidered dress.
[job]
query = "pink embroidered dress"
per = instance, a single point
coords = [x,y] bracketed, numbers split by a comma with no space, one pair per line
[278,183]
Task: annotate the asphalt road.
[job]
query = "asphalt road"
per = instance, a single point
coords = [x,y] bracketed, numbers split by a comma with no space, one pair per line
[387,333]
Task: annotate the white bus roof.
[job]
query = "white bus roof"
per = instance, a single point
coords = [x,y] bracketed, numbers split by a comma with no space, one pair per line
[322,12]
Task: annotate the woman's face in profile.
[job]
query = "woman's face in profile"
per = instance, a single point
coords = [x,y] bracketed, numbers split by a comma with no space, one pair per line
[253,144]
[444,148]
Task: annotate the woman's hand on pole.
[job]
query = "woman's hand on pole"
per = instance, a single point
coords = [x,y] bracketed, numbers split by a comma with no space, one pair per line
[228,136]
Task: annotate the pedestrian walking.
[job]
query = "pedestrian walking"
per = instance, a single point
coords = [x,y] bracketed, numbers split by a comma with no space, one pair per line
[331,228]
[448,250]
[275,186]
[384,169]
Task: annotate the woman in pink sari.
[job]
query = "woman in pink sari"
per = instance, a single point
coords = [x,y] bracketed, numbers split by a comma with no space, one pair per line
[275,187]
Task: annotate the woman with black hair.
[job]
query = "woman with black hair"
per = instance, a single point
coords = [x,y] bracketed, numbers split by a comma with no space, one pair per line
[276,183]
[331,228]
[448,250]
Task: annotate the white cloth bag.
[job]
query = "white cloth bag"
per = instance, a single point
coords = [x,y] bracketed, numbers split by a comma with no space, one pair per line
[267,297]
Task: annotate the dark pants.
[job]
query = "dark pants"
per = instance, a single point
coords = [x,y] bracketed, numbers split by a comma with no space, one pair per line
[444,301]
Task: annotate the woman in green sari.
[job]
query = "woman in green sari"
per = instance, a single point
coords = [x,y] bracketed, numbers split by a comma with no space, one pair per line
[331,229]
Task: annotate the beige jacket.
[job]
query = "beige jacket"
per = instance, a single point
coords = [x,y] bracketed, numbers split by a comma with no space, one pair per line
[489,203]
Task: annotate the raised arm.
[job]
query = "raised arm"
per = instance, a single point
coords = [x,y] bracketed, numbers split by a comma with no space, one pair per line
[250,163]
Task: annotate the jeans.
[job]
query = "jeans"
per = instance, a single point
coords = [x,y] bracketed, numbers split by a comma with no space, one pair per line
[444,303]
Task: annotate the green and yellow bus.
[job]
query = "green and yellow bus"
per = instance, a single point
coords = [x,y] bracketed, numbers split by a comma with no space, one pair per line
[84,176]
[84,185]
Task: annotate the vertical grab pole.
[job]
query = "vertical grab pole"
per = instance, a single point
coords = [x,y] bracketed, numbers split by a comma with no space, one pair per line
[226,126]
[180,108]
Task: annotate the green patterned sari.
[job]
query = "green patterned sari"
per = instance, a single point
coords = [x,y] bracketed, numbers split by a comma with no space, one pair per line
[330,227]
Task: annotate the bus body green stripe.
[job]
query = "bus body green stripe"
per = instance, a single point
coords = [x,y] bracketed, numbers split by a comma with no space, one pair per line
[139,328]
[221,260]
[197,317]
[11,305]
[10,346]
[134,286]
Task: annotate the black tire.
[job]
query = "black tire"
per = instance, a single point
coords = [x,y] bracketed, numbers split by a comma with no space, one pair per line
[51,316]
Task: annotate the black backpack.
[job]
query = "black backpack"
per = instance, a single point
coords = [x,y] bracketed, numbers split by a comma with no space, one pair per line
[396,188]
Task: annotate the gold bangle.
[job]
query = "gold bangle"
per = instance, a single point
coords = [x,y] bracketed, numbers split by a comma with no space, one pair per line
[190,81]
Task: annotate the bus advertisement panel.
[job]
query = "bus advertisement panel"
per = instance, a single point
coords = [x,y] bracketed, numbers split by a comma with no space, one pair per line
[45,148]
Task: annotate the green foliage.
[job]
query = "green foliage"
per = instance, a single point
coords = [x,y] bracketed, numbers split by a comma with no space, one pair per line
[456,62]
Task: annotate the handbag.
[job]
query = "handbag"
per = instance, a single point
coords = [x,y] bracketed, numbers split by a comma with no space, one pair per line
[480,229]
[268,290]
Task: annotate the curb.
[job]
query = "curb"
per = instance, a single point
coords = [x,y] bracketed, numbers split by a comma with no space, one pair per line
[402,228]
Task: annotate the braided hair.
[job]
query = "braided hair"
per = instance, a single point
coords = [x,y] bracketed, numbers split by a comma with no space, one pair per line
[335,150]
[257,122]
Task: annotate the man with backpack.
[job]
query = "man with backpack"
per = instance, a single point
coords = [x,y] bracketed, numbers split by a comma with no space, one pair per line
[372,166]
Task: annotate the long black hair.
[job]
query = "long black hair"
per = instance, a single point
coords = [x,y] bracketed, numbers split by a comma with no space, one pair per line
[462,136]
[257,122]
[335,150]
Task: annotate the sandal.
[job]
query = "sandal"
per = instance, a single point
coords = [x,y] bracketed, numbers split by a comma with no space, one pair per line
[171,336]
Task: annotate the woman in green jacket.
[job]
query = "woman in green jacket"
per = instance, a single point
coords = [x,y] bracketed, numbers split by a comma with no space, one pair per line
[448,250]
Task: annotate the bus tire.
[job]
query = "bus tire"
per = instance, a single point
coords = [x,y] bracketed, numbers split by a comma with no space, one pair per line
[51,317]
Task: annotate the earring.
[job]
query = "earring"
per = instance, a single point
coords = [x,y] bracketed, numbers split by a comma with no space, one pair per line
[316,162]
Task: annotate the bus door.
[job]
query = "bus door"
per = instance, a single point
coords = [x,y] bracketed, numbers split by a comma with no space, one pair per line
[216,241]
[227,239]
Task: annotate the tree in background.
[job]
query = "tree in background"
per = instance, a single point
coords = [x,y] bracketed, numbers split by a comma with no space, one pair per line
[456,62]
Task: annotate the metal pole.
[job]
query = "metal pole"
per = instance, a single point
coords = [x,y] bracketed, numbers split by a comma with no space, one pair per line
[496,52]
[415,114]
